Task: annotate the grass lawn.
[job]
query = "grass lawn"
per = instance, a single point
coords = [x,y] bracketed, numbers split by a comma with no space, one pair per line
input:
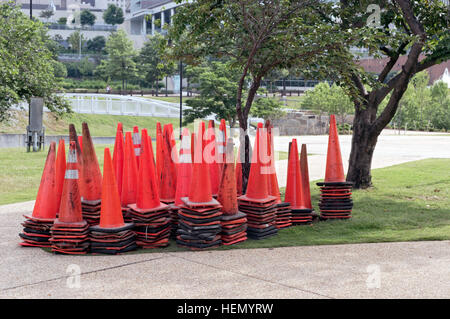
[408,202]
[99,124]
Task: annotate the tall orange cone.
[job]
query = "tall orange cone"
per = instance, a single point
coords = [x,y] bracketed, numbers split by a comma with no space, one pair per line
[130,177]
[234,222]
[159,153]
[200,188]
[70,231]
[272,176]
[150,216]
[136,144]
[239,172]
[184,168]
[73,137]
[118,156]
[334,169]
[60,170]
[168,181]
[80,142]
[210,157]
[335,193]
[306,196]
[36,227]
[91,180]
[173,144]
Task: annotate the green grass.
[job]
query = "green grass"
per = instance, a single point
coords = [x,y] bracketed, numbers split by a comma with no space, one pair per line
[99,124]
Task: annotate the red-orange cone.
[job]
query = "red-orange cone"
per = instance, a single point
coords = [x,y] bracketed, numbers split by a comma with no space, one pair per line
[305,177]
[136,144]
[335,169]
[80,142]
[210,157]
[118,156]
[130,177]
[168,181]
[60,170]
[272,176]
[159,154]
[184,168]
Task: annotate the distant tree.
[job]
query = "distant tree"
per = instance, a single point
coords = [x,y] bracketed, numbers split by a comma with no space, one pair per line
[26,64]
[87,18]
[120,63]
[74,41]
[267,108]
[86,67]
[62,20]
[152,64]
[113,15]
[217,84]
[59,70]
[96,44]
[46,14]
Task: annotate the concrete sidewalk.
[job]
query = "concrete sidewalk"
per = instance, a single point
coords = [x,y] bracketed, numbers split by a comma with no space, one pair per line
[386,270]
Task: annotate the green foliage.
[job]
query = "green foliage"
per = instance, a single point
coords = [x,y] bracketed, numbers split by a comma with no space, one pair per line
[329,99]
[120,63]
[26,64]
[423,107]
[59,69]
[79,69]
[267,108]
[113,15]
[152,61]
[74,41]
[96,44]
[46,14]
[216,82]
[62,20]
[87,17]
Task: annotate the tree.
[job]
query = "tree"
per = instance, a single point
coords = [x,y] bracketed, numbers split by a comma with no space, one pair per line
[328,99]
[62,20]
[87,18]
[267,108]
[46,14]
[261,36]
[74,41]
[113,15]
[418,30]
[216,81]
[440,97]
[152,62]
[26,64]
[96,44]
[120,63]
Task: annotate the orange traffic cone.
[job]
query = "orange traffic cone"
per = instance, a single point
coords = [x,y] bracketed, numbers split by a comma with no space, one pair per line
[334,170]
[60,170]
[306,196]
[69,231]
[73,137]
[335,200]
[118,156]
[159,154]
[239,172]
[150,216]
[259,206]
[294,191]
[168,181]
[36,227]
[184,168]
[173,144]
[80,142]
[210,157]
[272,176]
[136,144]
[91,179]
[234,222]
[130,175]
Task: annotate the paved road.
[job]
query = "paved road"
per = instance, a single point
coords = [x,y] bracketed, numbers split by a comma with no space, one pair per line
[386,270]
[408,270]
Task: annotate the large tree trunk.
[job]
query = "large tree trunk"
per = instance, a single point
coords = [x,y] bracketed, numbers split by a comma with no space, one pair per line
[363,145]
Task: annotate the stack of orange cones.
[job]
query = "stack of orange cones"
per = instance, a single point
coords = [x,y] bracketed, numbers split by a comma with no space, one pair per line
[211,159]
[150,217]
[112,236]
[136,144]
[69,233]
[335,193]
[91,180]
[36,230]
[259,206]
[300,212]
[234,222]
[118,157]
[129,178]
[199,215]
[283,213]
[168,175]
[183,178]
